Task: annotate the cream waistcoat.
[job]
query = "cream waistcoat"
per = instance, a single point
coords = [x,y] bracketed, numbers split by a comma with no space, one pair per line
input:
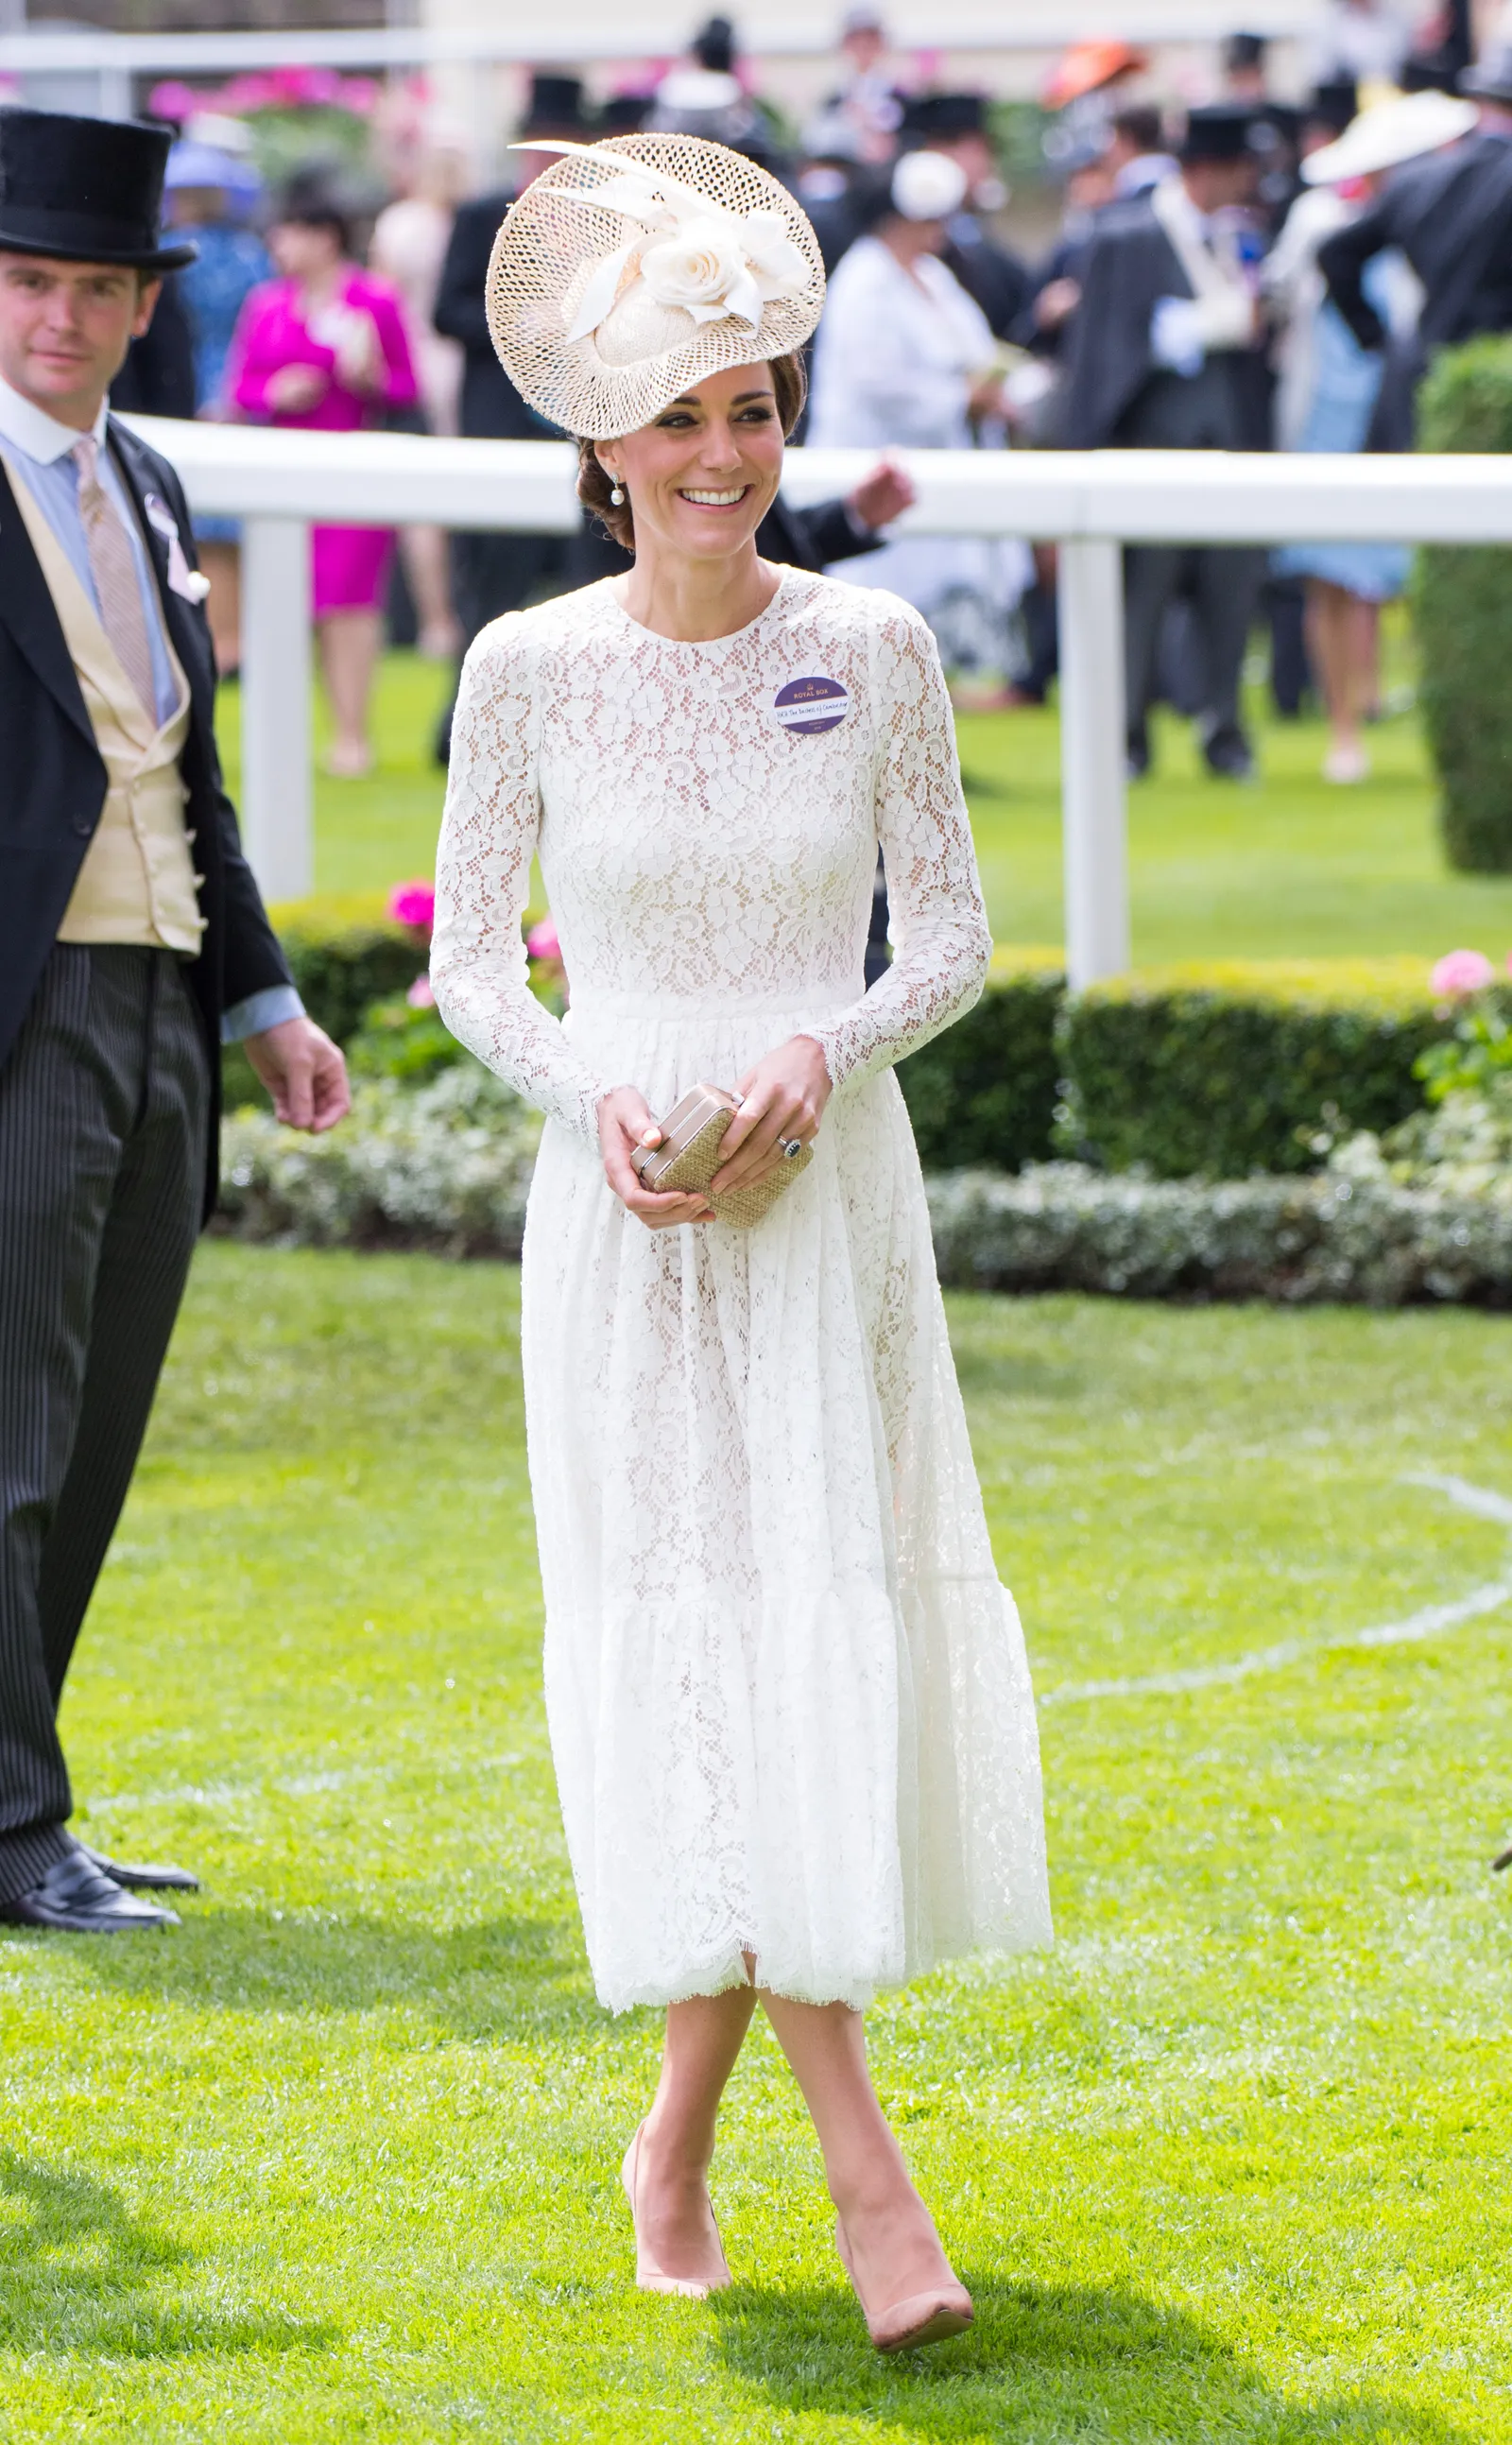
[137,883]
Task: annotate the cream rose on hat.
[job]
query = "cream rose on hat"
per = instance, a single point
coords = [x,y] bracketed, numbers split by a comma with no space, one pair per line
[631,268]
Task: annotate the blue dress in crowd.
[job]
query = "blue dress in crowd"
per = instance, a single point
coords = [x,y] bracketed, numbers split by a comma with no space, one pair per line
[1346,381]
[231,262]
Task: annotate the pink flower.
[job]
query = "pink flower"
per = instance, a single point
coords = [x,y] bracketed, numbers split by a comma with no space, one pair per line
[175,101]
[1461,972]
[543,941]
[414,904]
[419,996]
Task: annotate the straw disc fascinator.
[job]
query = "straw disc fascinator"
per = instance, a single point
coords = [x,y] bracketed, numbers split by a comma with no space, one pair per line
[631,268]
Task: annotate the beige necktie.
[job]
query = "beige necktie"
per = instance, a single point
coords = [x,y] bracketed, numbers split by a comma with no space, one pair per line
[113,567]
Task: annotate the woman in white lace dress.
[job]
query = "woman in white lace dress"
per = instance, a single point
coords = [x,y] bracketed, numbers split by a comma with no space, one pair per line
[789,1705]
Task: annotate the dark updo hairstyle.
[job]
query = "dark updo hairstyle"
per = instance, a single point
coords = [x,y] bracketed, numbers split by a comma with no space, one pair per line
[790,382]
[311,200]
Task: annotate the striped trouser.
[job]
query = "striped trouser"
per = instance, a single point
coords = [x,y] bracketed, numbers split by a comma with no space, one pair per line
[104,1107]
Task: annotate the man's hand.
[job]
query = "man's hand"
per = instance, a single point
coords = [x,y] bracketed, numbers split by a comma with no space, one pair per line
[303,1072]
[882,495]
[1057,303]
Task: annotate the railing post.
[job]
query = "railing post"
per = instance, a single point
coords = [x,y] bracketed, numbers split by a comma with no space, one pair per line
[276,784]
[1089,592]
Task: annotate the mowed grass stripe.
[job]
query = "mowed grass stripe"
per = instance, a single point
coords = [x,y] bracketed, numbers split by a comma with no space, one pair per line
[336,2159]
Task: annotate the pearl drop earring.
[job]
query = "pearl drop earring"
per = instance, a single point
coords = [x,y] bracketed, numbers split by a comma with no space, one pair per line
[617,496]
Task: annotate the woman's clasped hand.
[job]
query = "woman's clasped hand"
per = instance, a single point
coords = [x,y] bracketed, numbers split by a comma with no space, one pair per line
[782,1098]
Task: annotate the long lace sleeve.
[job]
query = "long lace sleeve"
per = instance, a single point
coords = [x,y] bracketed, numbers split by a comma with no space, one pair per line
[938,923]
[478,966]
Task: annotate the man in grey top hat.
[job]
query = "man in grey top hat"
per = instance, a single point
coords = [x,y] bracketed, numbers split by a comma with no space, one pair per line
[132,942]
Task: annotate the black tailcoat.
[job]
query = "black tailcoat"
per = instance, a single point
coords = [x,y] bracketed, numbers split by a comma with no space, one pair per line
[1452,216]
[55,778]
[1114,395]
[491,406]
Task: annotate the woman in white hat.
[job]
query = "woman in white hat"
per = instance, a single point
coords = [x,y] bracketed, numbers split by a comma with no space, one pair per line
[788,1704]
[904,359]
[1328,391]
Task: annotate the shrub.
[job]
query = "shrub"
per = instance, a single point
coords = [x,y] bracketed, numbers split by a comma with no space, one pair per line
[1060,1226]
[1227,1069]
[984,1091]
[1463,614]
[346,954]
[445,1166]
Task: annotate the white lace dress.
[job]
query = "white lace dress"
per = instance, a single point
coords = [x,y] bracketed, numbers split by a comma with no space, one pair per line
[789,1702]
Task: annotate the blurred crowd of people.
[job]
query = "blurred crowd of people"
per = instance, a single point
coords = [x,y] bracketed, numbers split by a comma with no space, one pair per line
[1231,272]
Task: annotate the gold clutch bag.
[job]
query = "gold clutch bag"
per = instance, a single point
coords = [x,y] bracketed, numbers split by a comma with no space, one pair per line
[689,1155]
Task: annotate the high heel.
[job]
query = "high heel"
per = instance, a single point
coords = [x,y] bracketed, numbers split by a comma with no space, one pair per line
[648,2276]
[921,2317]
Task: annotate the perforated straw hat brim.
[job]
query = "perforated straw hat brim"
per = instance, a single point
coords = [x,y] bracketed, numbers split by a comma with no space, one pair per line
[549,244]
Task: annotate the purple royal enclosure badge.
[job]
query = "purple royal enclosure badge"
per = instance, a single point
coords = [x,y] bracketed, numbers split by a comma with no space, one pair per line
[807,706]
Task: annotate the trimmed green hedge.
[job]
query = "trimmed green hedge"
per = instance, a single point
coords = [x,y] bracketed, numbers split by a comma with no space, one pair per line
[346,954]
[1215,1068]
[1463,614]
[986,1090]
[1231,1069]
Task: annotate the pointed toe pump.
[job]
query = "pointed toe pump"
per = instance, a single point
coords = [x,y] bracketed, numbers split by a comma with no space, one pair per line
[648,2275]
[930,2317]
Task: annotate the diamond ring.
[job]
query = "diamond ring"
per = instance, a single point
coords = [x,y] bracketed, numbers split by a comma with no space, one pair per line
[792,1146]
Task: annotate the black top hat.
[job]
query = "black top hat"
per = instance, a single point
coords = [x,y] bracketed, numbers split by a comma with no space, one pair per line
[88,189]
[556,109]
[940,117]
[1490,80]
[1332,103]
[1225,131]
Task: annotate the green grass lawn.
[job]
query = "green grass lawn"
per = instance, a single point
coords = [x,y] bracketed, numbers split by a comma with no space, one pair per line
[336,2160]
[1291,868]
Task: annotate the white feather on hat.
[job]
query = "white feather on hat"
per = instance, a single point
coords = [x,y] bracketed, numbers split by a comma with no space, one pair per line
[631,268]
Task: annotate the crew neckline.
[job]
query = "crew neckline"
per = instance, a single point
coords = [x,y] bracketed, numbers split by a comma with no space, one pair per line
[730,636]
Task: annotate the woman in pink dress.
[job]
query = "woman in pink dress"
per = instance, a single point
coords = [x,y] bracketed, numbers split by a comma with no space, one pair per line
[324,349]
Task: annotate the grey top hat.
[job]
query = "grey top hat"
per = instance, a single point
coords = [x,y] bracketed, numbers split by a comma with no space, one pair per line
[88,189]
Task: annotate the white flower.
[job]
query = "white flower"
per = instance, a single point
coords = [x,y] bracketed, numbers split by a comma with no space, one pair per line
[693,256]
[778,264]
[703,268]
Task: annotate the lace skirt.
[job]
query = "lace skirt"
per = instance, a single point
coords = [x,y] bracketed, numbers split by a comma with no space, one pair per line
[789,1702]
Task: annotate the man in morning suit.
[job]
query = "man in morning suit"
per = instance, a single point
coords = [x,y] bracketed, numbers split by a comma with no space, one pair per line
[132,944]
[1451,215]
[1165,354]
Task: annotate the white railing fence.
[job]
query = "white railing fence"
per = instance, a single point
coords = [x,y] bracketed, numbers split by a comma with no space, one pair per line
[282,482]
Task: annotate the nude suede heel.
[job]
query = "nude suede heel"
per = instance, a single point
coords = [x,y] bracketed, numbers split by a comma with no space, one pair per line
[923,2318]
[648,2276]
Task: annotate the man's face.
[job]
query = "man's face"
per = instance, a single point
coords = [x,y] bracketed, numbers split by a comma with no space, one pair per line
[1218,186]
[64,330]
[863,50]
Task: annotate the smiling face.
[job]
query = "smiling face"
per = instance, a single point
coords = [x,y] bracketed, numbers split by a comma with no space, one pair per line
[64,330]
[702,477]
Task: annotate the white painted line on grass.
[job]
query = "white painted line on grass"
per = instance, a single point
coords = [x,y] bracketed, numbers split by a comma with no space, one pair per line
[1428,1623]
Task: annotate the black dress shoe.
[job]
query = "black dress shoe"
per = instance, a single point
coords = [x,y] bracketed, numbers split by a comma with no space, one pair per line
[1228,754]
[74,1897]
[152,1877]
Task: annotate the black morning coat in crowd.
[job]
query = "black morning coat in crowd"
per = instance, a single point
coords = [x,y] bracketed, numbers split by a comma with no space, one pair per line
[1115,395]
[492,406]
[1452,216]
[55,778]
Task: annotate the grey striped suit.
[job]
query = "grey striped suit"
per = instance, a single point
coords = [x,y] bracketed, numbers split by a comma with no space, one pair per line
[104,1101]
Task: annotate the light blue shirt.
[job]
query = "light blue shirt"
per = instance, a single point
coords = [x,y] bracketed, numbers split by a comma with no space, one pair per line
[45,448]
